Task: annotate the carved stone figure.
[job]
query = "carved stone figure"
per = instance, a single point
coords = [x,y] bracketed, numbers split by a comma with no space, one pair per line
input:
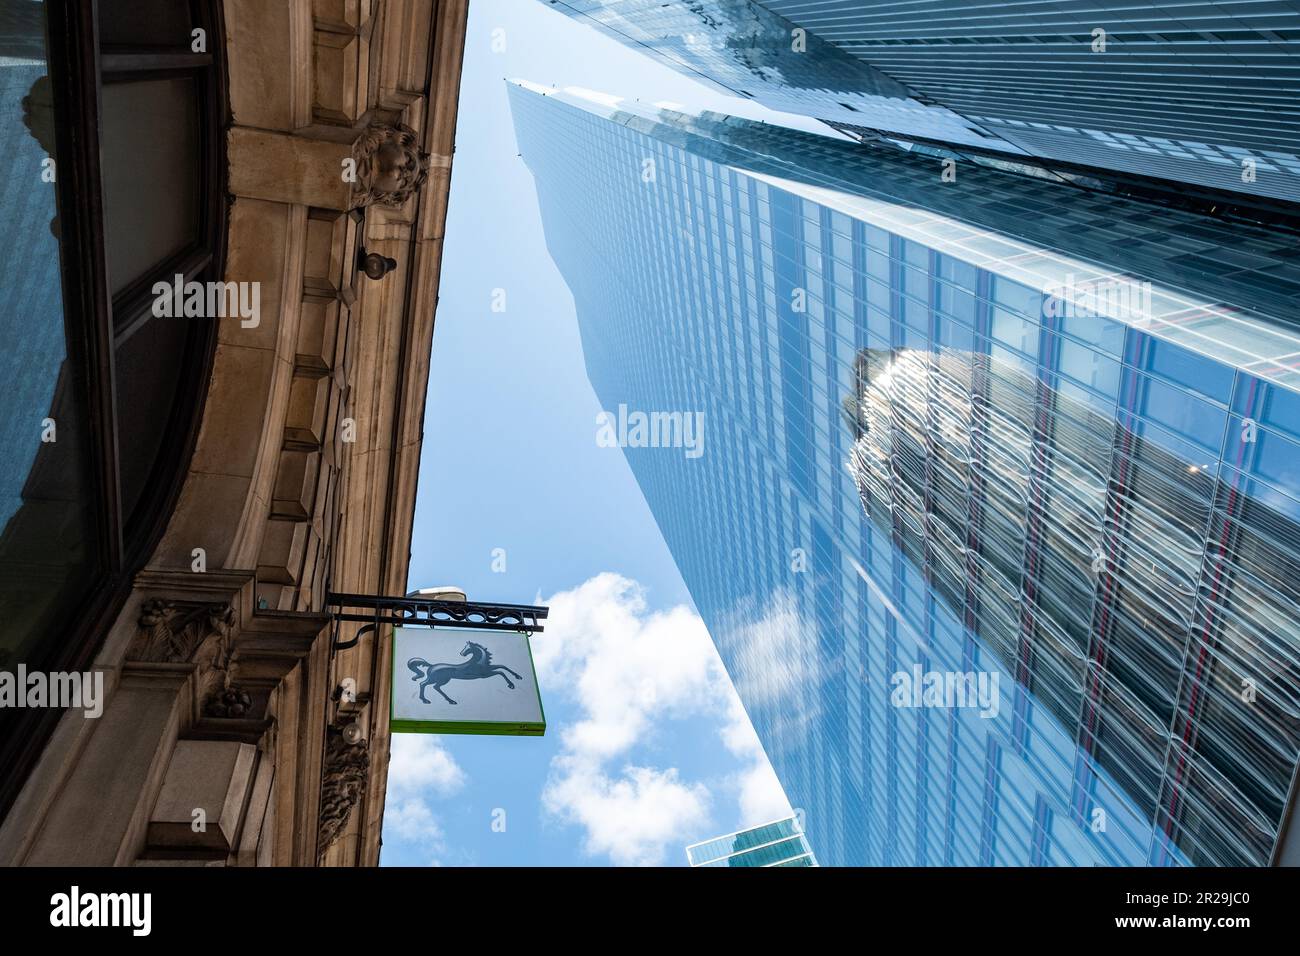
[390,165]
[343,781]
[172,631]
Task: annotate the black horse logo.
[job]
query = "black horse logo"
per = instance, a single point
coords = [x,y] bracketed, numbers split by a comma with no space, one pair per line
[477,667]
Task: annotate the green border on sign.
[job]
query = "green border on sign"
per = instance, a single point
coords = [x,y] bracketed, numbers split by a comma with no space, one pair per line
[499,728]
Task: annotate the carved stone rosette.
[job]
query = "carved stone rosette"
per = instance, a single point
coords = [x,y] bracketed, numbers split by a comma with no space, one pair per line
[229,702]
[390,165]
[343,781]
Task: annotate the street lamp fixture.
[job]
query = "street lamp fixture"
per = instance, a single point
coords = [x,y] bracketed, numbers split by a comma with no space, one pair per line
[374,265]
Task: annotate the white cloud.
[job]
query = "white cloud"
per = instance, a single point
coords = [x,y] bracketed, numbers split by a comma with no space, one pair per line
[762,798]
[412,819]
[419,765]
[629,670]
[632,817]
[626,667]
[778,667]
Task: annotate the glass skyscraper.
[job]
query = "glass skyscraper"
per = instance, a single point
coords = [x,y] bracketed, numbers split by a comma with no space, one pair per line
[743,49]
[996,516]
[1184,90]
[780,843]
[1205,92]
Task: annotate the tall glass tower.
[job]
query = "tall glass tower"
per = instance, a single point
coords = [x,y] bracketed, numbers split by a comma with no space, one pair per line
[998,536]
[1186,90]
[740,48]
[1206,93]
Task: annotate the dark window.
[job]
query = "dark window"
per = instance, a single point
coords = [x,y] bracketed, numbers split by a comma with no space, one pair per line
[150,152]
[101,397]
[140,24]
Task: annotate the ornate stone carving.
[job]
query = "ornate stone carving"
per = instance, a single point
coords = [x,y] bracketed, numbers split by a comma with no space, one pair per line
[343,781]
[229,701]
[173,631]
[390,165]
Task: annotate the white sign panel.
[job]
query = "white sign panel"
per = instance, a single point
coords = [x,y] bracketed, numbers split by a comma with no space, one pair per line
[451,681]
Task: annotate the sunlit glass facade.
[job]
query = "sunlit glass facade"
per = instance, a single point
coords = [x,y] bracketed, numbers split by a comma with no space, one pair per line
[1201,93]
[740,48]
[1185,90]
[780,843]
[928,452]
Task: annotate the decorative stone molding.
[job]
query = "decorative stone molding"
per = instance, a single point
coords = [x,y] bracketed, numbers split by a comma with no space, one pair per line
[391,166]
[171,632]
[200,633]
[344,778]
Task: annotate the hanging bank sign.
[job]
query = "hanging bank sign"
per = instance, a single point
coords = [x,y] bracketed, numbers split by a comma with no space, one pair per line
[449,680]
[459,667]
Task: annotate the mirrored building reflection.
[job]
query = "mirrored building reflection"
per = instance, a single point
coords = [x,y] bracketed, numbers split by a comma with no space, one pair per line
[1205,94]
[1203,91]
[997,520]
[743,49]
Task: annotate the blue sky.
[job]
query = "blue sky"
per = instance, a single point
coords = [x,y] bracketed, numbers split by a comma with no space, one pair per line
[647,749]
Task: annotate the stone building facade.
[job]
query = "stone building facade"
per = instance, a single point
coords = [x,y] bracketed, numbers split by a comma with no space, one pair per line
[235,731]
